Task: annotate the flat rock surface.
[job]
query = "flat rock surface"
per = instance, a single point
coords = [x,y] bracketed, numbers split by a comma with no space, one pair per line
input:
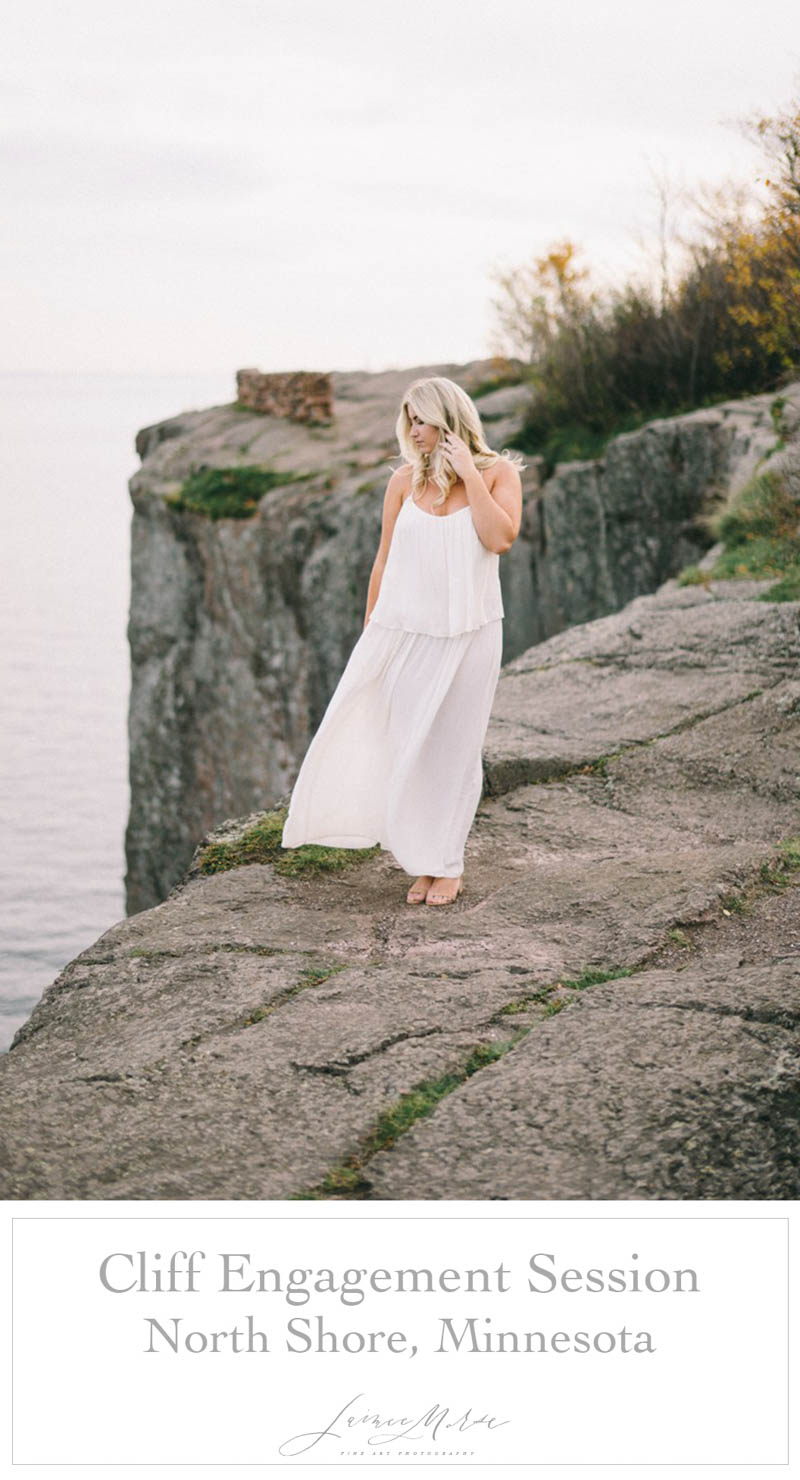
[667,1084]
[242,1039]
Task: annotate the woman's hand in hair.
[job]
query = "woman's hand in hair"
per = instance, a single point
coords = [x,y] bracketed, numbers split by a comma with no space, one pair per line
[458,454]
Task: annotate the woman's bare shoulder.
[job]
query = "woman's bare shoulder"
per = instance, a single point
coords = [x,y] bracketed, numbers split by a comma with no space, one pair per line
[502,478]
[400,482]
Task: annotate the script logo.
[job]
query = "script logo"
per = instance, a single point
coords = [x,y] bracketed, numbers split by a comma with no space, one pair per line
[435,1422]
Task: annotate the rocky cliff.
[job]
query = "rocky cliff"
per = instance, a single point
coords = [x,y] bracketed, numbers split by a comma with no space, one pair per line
[610,1009]
[240,627]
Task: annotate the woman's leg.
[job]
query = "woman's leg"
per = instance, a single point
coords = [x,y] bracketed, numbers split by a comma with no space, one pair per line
[437,738]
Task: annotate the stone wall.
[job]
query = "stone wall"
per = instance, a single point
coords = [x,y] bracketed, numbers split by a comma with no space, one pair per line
[301,395]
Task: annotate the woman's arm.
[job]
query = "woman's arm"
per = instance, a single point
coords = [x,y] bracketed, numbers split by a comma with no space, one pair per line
[392,504]
[497,515]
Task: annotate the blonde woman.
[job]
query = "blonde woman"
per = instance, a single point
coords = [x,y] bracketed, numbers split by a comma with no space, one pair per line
[396,759]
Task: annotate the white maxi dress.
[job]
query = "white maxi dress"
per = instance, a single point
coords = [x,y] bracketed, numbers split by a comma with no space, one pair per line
[396,759]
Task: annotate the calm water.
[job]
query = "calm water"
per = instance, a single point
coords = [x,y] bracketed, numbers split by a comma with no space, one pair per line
[67,454]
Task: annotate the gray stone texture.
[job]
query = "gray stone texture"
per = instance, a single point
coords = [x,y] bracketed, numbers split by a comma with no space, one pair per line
[239,629]
[239,1039]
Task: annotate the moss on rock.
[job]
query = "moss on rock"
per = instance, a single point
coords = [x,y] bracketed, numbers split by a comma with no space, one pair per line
[228,493]
[261,843]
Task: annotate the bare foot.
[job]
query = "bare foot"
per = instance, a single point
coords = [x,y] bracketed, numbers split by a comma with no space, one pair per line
[419,889]
[444,891]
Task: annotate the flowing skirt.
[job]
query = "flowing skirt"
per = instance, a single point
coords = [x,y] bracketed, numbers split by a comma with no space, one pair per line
[396,759]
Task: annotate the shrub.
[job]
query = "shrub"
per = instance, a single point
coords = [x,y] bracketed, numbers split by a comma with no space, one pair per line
[599,363]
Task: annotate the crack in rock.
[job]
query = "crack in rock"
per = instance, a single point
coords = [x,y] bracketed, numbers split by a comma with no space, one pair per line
[777,1018]
[343,1066]
[504,776]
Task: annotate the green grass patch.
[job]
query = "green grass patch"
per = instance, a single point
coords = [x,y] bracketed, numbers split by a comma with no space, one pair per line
[776,413]
[760,531]
[347,1179]
[786,589]
[778,872]
[522,1004]
[420,1101]
[313,977]
[593,976]
[261,843]
[543,996]
[774,874]
[229,493]
[790,853]
[598,767]
[692,575]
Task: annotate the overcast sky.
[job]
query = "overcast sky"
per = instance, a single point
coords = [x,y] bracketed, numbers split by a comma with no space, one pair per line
[200,185]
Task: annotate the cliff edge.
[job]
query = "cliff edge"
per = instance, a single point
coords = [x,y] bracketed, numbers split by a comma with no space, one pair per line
[608,1011]
[240,627]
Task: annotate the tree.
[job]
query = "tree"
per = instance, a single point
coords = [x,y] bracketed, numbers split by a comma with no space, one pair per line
[537,301]
[726,323]
[779,140]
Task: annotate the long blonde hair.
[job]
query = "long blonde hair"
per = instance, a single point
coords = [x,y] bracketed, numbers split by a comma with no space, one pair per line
[441,403]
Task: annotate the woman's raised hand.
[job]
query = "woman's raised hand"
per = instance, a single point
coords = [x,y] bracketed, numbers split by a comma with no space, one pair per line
[458,454]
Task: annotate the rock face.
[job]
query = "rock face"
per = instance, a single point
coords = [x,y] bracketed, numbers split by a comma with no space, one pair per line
[240,628]
[241,1039]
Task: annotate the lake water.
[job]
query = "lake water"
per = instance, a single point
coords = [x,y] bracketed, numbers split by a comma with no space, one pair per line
[67,454]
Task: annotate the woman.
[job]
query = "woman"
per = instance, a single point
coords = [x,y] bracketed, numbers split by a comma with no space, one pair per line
[397,757]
